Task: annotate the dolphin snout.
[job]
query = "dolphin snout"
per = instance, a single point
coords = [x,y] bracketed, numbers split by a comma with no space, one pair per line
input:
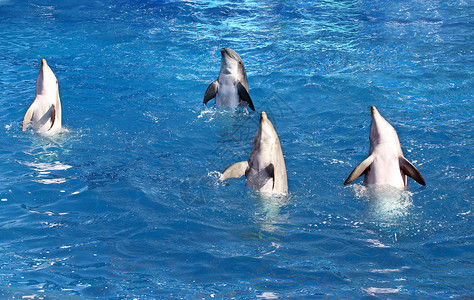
[263,115]
[225,51]
[373,110]
[230,53]
[43,62]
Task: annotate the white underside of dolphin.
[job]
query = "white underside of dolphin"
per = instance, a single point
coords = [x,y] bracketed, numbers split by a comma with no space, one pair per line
[45,113]
[265,171]
[386,164]
[231,87]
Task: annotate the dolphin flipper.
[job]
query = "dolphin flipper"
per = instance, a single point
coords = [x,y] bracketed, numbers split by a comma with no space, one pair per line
[211,91]
[236,170]
[360,169]
[244,95]
[28,116]
[270,170]
[410,170]
[53,116]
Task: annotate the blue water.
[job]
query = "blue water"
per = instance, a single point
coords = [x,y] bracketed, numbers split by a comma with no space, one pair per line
[127,204]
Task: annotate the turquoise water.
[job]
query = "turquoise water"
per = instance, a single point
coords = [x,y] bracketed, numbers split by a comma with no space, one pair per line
[127,204]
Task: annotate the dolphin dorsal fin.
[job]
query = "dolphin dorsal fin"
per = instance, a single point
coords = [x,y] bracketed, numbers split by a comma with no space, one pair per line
[236,170]
[211,91]
[409,169]
[360,169]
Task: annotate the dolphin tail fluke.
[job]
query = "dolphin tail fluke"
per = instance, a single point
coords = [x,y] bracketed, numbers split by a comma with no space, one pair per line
[244,95]
[236,170]
[360,169]
[28,116]
[409,169]
[211,91]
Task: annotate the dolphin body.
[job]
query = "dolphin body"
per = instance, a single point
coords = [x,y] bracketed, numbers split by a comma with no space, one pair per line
[45,113]
[386,164]
[231,88]
[265,171]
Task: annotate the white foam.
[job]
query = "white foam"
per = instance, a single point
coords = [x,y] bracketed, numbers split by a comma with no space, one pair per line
[46,167]
[374,290]
[268,295]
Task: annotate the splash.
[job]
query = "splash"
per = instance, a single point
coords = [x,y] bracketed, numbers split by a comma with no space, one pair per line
[389,210]
[268,215]
[385,202]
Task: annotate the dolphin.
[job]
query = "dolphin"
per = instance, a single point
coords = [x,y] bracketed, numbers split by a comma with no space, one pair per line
[386,164]
[45,112]
[265,171]
[231,88]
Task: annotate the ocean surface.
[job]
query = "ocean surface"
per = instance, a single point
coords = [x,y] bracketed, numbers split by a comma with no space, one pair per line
[126,203]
